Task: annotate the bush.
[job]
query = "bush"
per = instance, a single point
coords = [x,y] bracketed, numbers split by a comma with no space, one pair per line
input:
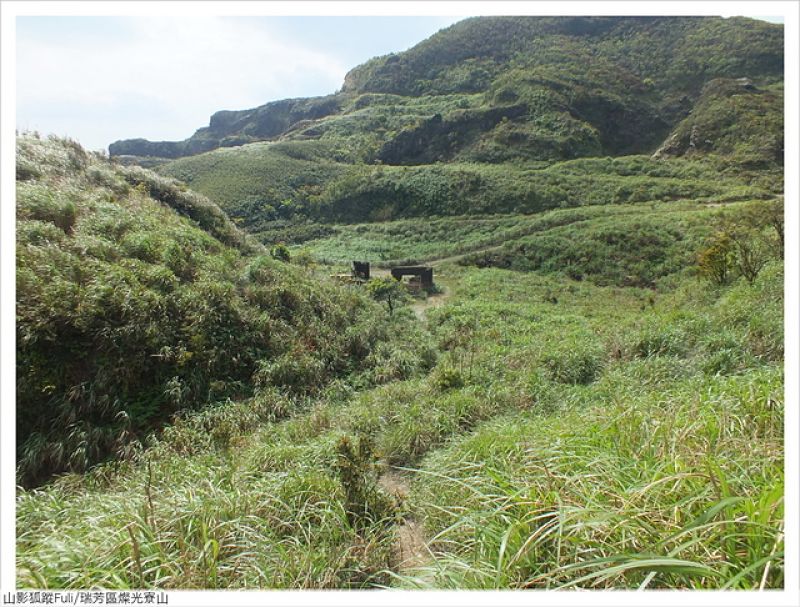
[387,289]
[756,312]
[744,242]
[716,260]
[574,363]
[447,377]
[280,252]
[297,371]
[357,471]
[658,338]
[36,201]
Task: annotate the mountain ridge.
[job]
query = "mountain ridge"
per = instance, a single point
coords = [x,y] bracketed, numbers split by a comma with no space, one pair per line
[576,76]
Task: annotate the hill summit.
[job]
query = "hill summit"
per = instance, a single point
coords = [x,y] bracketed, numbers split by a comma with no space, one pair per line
[491,89]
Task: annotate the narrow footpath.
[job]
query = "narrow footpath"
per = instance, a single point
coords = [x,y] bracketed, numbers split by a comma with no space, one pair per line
[410,547]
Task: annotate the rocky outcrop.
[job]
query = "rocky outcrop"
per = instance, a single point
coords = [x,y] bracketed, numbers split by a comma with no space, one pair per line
[722,119]
[439,139]
[231,128]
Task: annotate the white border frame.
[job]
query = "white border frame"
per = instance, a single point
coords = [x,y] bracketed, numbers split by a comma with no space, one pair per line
[790,596]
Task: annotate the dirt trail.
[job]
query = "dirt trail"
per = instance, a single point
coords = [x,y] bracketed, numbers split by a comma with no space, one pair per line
[432,301]
[410,548]
[419,307]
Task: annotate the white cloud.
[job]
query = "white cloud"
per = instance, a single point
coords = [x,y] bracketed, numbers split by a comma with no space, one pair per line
[177,71]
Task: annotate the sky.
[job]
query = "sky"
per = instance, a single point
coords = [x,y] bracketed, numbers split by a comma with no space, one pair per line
[100,79]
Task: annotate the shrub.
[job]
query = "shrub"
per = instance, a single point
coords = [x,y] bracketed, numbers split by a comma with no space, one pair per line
[447,377]
[393,362]
[357,471]
[37,201]
[280,252]
[716,260]
[745,241]
[658,338]
[298,371]
[27,169]
[755,312]
[574,363]
[304,257]
[39,233]
[387,289]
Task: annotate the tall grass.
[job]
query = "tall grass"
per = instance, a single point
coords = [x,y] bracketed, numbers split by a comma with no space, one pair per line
[652,492]
[556,434]
[238,509]
[665,471]
[137,299]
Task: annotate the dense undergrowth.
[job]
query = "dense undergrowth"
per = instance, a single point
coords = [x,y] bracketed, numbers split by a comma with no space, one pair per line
[254,186]
[137,298]
[660,466]
[625,245]
[594,398]
[568,434]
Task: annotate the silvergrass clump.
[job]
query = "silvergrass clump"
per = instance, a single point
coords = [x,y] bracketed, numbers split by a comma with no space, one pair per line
[356,469]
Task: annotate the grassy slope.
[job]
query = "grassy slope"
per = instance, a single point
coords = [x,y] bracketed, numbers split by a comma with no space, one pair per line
[128,311]
[296,199]
[570,434]
[570,88]
[630,244]
[479,240]
[666,443]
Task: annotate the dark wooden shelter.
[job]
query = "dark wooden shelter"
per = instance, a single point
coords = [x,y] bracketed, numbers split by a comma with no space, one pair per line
[425,274]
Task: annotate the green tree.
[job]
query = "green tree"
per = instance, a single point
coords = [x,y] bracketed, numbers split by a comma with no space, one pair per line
[716,260]
[756,235]
[743,243]
[387,289]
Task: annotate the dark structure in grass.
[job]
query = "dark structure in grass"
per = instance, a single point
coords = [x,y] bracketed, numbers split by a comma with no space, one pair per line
[361,270]
[425,274]
[360,273]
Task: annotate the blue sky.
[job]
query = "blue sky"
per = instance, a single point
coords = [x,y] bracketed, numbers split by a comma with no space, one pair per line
[99,79]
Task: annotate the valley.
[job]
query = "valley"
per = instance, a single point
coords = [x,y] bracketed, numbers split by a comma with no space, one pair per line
[591,397]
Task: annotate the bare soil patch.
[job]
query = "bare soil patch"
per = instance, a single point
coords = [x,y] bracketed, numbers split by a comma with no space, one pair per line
[410,546]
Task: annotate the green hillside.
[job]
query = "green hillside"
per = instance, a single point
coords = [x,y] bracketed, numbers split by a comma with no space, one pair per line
[591,395]
[513,87]
[733,119]
[493,115]
[138,299]
[292,200]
